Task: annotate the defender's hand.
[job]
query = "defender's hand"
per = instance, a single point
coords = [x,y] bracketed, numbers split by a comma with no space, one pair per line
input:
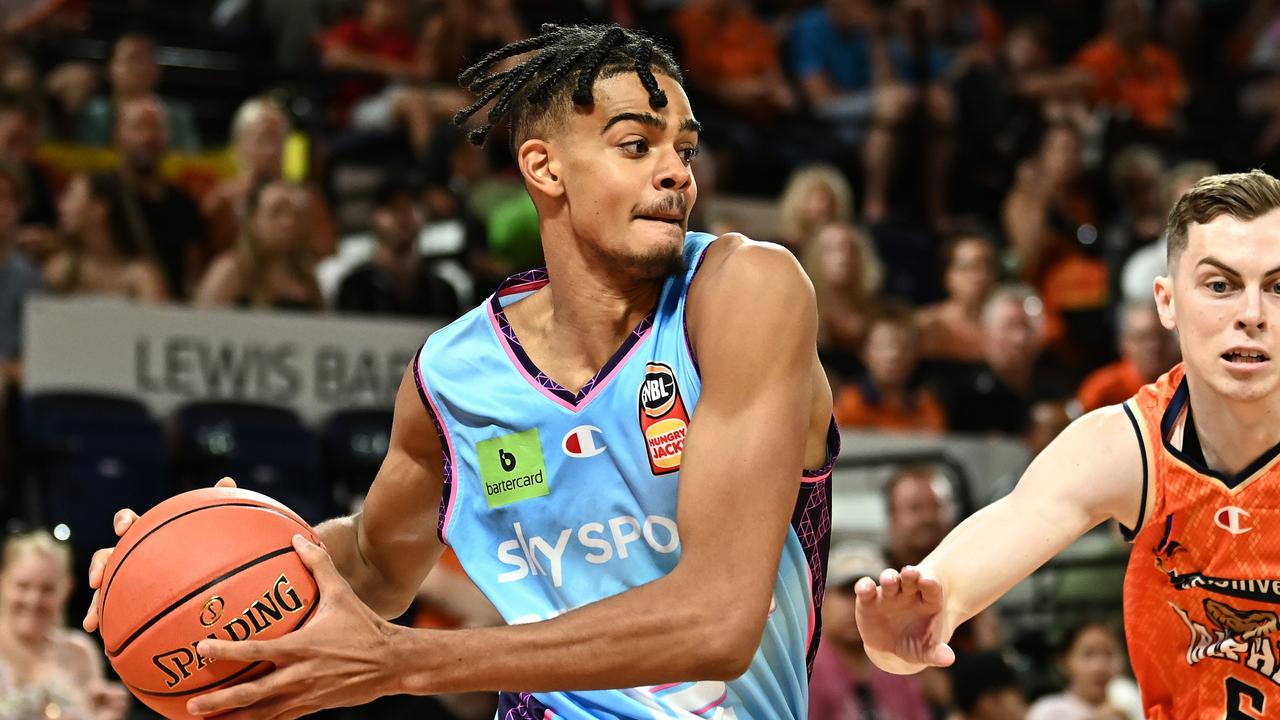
[901,621]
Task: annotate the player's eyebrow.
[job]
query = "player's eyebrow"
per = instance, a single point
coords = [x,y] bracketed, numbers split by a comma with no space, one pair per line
[651,120]
[1230,270]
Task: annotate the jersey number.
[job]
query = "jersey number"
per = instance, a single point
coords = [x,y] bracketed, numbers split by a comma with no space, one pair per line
[1238,693]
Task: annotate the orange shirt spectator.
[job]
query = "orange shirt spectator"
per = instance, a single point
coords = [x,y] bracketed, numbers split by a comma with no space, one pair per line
[1109,385]
[724,42]
[1147,82]
[859,406]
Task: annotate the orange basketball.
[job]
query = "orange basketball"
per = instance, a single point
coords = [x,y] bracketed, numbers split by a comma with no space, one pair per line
[211,563]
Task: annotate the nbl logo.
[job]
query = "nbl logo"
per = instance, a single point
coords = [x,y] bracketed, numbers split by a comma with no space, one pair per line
[658,393]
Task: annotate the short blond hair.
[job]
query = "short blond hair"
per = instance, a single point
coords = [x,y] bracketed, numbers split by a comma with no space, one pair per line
[790,208]
[253,110]
[36,541]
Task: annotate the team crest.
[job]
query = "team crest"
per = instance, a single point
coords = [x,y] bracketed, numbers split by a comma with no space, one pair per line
[663,418]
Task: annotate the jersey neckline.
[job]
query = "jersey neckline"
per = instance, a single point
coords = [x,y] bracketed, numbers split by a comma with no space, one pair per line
[1192,453]
[527,282]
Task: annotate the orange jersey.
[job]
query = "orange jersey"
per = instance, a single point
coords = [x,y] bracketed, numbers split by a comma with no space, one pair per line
[1202,591]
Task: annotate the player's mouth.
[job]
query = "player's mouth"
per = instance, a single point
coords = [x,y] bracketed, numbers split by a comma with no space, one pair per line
[676,220]
[1245,357]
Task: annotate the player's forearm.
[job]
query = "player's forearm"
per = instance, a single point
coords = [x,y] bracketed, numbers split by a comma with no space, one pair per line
[976,571]
[342,543]
[656,633]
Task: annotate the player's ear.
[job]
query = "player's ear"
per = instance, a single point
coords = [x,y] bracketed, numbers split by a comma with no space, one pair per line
[1163,288]
[538,165]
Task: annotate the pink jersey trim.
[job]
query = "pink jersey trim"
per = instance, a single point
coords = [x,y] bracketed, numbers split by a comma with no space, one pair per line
[453,458]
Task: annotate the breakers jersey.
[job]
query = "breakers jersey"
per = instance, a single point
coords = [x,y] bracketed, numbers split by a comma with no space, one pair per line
[1202,591]
[555,499]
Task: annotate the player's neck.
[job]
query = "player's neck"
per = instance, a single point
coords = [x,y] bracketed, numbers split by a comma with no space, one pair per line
[572,326]
[1232,434]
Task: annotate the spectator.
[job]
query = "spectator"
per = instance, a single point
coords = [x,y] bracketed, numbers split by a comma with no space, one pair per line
[996,395]
[19,277]
[952,329]
[19,134]
[258,134]
[135,75]
[1131,73]
[845,685]
[1051,223]
[101,257]
[730,54]
[47,670]
[160,218]
[270,266]
[1147,350]
[1149,261]
[986,688]
[885,398]
[382,47]
[846,274]
[1139,216]
[398,280]
[920,512]
[815,196]
[1090,660]
[460,32]
[854,77]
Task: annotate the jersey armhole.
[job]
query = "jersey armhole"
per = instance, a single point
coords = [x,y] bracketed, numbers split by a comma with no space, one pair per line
[1127,533]
[447,494]
[684,307]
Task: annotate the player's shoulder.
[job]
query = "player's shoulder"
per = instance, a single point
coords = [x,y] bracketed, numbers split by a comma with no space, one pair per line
[735,264]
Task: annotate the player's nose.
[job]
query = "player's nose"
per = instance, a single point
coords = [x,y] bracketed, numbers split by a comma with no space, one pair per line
[672,173]
[1252,312]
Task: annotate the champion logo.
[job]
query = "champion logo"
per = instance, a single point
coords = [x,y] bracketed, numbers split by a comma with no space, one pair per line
[1231,519]
[581,442]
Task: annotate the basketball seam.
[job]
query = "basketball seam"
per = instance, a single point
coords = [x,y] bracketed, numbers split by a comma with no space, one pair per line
[102,613]
[232,676]
[178,603]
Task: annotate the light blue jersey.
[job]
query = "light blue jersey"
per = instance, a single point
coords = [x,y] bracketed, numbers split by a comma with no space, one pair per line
[555,499]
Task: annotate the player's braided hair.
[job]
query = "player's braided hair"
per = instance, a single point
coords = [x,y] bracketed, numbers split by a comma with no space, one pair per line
[527,91]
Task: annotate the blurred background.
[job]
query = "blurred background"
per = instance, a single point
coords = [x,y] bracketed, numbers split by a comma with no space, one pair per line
[226,225]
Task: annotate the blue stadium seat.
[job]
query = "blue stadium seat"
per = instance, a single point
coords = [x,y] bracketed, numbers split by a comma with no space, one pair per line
[355,442]
[88,456]
[263,448]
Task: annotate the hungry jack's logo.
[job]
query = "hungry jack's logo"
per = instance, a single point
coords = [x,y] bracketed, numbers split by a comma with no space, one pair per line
[663,418]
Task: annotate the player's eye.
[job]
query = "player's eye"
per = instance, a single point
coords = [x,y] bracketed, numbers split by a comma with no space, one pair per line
[1217,287]
[688,154]
[636,147]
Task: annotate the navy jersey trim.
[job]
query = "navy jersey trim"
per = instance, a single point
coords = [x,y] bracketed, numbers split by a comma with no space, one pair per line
[529,281]
[1128,534]
[1192,455]
[446,463]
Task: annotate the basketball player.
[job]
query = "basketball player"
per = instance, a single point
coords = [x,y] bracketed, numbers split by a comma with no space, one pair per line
[628,451]
[1188,466]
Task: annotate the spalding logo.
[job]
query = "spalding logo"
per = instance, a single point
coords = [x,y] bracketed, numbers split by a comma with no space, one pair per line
[279,600]
[212,611]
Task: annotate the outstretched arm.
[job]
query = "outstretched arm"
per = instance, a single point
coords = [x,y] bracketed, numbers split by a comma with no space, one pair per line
[1092,472]
[702,621]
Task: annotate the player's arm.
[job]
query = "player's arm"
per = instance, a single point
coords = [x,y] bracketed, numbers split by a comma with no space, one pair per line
[386,550]
[1091,473]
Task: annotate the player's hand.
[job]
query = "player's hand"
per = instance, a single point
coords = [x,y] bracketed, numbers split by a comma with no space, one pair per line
[123,521]
[900,621]
[342,657]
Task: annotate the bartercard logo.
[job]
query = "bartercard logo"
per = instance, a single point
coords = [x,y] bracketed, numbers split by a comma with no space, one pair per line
[581,442]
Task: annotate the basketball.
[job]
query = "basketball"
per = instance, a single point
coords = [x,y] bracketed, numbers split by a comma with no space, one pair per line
[210,563]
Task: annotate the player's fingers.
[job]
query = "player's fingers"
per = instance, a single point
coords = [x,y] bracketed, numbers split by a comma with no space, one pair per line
[889,584]
[225,482]
[241,650]
[90,622]
[865,589]
[930,590]
[256,699]
[318,562]
[909,580]
[123,520]
[97,564]
[940,655]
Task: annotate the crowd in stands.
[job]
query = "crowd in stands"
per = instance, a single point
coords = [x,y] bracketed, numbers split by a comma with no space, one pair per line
[976,188]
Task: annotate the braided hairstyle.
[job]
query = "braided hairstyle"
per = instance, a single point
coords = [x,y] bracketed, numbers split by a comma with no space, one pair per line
[539,87]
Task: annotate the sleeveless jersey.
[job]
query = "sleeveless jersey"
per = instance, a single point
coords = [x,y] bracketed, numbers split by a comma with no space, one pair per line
[555,499]
[1202,590]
